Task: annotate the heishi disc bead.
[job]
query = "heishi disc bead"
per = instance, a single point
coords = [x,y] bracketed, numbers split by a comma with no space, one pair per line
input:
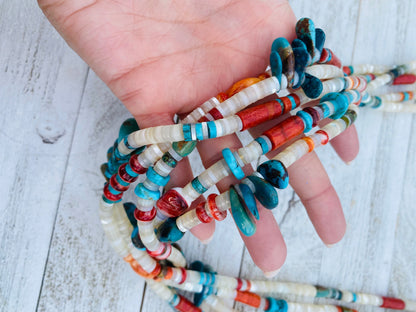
[265,193]
[275,173]
[242,219]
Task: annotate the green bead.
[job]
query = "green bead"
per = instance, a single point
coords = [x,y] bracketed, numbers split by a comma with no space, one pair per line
[265,193]
[184,148]
[242,219]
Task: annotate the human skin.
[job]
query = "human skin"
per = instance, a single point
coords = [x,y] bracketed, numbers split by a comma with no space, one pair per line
[166,57]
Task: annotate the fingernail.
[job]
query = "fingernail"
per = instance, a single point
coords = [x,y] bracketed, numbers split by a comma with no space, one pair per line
[207,241]
[271,273]
[329,245]
[349,163]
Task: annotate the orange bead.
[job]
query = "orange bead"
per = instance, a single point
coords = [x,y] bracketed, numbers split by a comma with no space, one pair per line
[240,85]
[310,143]
[248,298]
[221,97]
[264,76]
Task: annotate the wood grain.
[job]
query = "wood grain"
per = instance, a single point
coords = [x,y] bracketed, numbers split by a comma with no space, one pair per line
[41,83]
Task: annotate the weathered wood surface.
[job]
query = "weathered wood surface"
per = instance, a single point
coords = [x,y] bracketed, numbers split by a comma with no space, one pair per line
[53,255]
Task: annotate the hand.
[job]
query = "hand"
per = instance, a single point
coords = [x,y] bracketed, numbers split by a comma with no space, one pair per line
[162,58]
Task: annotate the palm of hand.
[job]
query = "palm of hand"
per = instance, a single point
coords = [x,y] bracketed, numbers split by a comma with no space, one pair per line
[164,59]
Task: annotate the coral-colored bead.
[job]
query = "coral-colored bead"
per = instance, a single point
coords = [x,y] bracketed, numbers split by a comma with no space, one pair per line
[221,97]
[183,278]
[117,186]
[125,175]
[185,305]
[241,85]
[310,143]
[285,131]
[213,209]
[215,113]
[393,303]
[325,141]
[172,204]
[111,196]
[264,76]
[256,115]
[405,79]
[145,216]
[202,214]
[248,298]
[136,166]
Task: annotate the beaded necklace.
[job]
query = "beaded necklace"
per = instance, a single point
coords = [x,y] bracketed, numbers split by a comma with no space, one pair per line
[143,234]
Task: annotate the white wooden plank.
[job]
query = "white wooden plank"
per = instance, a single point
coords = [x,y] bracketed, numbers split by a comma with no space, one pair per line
[367,250]
[41,82]
[83,273]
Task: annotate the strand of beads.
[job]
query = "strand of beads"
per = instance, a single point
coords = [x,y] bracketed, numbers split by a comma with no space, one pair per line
[131,229]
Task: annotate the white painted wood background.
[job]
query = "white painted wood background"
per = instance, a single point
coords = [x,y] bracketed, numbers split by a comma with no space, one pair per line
[53,254]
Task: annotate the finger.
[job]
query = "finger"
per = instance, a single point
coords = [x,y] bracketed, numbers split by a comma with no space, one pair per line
[346,144]
[267,240]
[181,175]
[310,181]
[267,249]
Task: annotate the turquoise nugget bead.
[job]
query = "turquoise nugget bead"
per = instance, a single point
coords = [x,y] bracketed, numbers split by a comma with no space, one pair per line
[312,86]
[265,192]
[243,221]
[275,173]
[249,200]
[168,231]
[276,65]
[305,30]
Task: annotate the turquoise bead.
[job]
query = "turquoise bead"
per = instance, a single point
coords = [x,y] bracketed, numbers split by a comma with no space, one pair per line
[168,231]
[196,184]
[156,178]
[264,147]
[276,305]
[243,221]
[143,192]
[129,209]
[276,65]
[307,120]
[312,86]
[265,193]
[212,129]
[206,272]
[128,126]
[320,39]
[187,134]
[305,30]
[283,47]
[249,201]
[184,148]
[340,102]
[136,240]
[275,173]
[301,59]
[232,163]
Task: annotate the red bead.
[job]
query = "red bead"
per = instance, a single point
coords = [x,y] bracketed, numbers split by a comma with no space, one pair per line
[202,214]
[285,131]
[334,60]
[316,117]
[346,69]
[185,305]
[215,113]
[203,119]
[393,303]
[221,97]
[239,283]
[156,253]
[117,186]
[287,104]
[167,250]
[111,196]
[145,216]
[405,79]
[324,56]
[172,204]
[183,278]
[256,115]
[213,209]
[248,298]
[325,141]
[124,175]
[135,165]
